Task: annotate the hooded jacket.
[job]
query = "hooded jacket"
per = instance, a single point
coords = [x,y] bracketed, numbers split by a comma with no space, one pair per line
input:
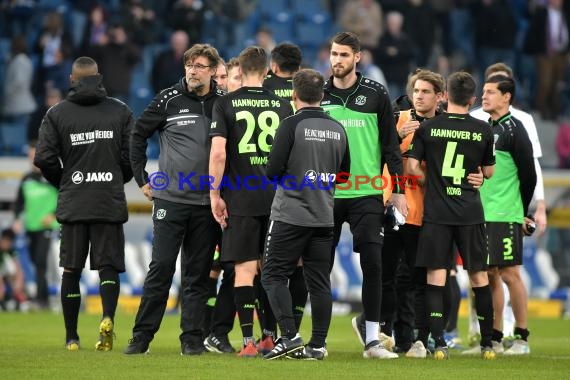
[83,150]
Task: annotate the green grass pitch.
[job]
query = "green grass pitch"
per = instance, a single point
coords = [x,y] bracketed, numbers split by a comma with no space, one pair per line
[31,347]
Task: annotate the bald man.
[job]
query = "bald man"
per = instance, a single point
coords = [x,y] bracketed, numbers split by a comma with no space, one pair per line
[83,150]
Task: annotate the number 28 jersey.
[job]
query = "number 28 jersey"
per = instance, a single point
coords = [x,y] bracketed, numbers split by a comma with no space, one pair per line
[453,146]
[248,119]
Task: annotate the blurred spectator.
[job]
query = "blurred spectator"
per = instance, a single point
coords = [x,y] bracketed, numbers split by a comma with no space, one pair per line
[10,270]
[230,19]
[34,212]
[548,41]
[419,26]
[563,146]
[442,9]
[18,101]
[20,16]
[264,39]
[363,17]
[369,69]
[139,21]
[323,62]
[52,97]
[462,33]
[116,60]
[167,67]
[187,15]
[495,33]
[55,48]
[394,55]
[95,32]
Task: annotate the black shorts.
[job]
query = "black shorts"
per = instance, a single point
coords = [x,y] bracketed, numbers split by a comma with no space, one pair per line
[436,250]
[505,242]
[365,215]
[243,239]
[104,242]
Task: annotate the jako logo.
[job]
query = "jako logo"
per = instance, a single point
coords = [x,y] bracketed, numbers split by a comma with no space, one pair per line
[312,176]
[184,110]
[78,177]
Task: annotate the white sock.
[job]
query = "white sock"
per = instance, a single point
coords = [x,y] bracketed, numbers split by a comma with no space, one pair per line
[372,330]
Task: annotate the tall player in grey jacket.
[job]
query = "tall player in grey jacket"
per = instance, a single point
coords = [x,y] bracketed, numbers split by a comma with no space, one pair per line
[309,151]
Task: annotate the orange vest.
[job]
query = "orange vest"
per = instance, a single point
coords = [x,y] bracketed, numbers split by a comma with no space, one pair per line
[414,196]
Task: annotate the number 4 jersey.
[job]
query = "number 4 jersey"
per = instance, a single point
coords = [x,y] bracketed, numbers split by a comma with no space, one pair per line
[248,119]
[452,145]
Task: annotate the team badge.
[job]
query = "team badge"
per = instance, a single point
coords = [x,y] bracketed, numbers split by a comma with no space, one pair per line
[160,213]
[360,100]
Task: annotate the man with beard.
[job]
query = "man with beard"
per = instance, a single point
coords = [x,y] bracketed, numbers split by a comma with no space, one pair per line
[363,107]
[181,212]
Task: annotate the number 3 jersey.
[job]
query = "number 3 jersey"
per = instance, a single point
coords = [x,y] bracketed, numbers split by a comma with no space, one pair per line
[248,119]
[453,146]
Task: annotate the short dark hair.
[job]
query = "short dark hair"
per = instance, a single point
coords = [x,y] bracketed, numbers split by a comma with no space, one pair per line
[252,59]
[83,67]
[8,233]
[348,39]
[460,88]
[287,57]
[206,50]
[308,85]
[497,68]
[504,84]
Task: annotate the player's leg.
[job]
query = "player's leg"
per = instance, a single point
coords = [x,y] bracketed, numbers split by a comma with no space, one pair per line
[392,251]
[223,314]
[316,262]
[169,222]
[511,276]
[283,248]
[108,257]
[201,235]
[472,243]
[74,247]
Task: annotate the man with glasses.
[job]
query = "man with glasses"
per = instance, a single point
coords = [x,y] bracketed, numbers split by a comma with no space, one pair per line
[181,212]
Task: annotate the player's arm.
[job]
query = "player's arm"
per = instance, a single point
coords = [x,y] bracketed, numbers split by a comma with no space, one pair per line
[48,152]
[126,167]
[524,161]
[344,165]
[217,165]
[216,171]
[280,150]
[152,119]
[488,162]
[390,143]
[415,169]
[416,153]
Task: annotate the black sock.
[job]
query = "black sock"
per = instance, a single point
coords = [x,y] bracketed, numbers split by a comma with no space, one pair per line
[454,300]
[268,322]
[70,303]
[434,303]
[245,305]
[497,336]
[258,289]
[521,333]
[299,294]
[484,307]
[109,288]
[210,304]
